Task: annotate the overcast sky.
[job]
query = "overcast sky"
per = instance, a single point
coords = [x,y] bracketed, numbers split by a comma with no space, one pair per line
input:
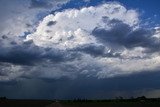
[66,49]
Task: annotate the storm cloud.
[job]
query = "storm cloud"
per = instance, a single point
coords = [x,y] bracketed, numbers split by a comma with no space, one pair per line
[101,41]
[122,34]
[66,49]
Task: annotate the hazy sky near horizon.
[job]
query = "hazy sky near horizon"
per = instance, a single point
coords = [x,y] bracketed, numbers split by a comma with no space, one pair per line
[69,49]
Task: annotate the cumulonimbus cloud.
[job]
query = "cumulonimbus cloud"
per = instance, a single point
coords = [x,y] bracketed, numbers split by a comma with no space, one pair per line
[101,41]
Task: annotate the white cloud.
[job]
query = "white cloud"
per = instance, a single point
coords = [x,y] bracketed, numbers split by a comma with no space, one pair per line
[118,67]
[17,17]
[72,29]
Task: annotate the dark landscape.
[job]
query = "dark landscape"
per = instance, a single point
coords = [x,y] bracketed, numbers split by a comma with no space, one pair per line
[118,102]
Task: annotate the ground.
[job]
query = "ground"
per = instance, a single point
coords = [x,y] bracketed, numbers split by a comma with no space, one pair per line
[81,103]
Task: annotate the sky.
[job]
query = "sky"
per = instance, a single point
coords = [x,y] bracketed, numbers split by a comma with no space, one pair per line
[67,49]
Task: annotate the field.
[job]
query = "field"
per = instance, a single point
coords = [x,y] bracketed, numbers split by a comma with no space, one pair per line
[81,103]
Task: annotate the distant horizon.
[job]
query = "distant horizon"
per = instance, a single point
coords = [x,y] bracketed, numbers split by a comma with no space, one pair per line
[83,99]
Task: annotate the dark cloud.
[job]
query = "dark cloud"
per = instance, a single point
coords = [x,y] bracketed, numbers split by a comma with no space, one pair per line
[55,55]
[97,51]
[81,87]
[13,43]
[139,37]
[4,37]
[91,49]
[116,34]
[50,23]
[40,4]
[23,55]
[45,72]
[122,35]
[29,54]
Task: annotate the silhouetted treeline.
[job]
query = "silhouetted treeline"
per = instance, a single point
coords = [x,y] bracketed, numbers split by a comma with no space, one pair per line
[3,98]
[117,99]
